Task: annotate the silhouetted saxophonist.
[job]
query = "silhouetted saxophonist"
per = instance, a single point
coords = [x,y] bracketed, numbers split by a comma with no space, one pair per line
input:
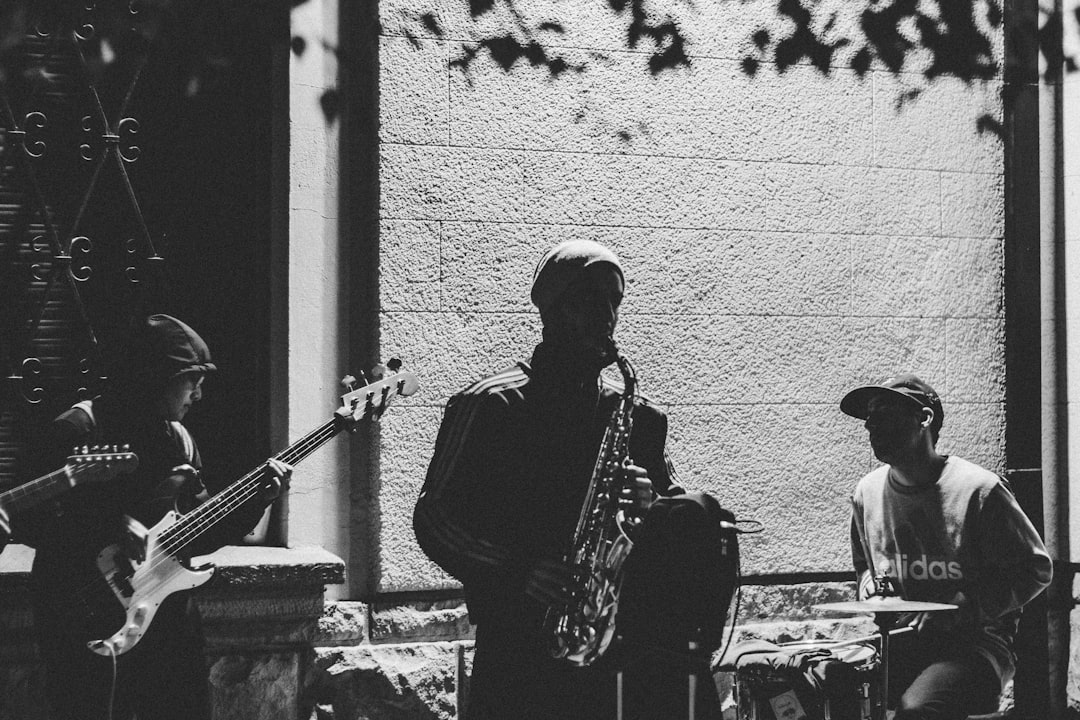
[504,491]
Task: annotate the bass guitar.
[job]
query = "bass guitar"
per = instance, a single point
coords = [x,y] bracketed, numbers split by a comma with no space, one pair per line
[84,465]
[142,584]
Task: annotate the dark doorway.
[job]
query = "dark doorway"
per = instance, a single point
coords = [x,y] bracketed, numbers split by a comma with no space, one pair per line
[135,177]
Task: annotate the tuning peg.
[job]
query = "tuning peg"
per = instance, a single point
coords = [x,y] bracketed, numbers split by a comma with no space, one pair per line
[379,371]
[394,364]
[348,382]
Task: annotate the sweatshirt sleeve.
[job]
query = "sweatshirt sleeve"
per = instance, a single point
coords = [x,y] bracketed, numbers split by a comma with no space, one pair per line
[1018,565]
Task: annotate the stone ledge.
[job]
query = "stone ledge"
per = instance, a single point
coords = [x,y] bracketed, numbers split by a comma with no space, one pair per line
[15,563]
[244,566]
[237,566]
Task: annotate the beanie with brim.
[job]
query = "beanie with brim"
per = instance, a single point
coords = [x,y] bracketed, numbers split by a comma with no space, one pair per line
[170,348]
[563,265]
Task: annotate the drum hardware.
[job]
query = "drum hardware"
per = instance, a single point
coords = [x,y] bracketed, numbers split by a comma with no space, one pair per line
[696,657]
[887,606]
[781,687]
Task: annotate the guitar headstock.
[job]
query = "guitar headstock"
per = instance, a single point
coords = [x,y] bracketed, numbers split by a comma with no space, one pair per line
[373,399]
[99,463]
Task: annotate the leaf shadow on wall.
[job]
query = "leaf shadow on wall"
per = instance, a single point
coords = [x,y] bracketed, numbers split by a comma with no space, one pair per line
[923,41]
[933,40]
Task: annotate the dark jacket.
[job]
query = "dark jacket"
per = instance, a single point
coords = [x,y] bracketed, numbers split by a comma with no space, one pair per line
[512,462]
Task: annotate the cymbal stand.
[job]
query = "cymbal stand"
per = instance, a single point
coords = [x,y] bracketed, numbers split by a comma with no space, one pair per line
[884,587]
[884,622]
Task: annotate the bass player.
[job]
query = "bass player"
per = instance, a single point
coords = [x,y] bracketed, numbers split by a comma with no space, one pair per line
[165,676]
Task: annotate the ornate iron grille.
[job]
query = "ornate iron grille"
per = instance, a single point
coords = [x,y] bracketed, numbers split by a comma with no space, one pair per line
[125,124]
[77,269]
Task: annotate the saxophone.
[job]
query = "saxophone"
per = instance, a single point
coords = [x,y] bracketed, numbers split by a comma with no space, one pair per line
[581,631]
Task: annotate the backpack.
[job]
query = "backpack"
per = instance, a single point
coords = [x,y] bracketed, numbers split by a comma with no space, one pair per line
[681,575]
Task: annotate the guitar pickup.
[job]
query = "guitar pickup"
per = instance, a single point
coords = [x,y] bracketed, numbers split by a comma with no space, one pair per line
[121,578]
[122,585]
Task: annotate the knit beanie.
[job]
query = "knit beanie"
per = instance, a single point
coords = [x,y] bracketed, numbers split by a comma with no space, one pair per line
[563,265]
[169,347]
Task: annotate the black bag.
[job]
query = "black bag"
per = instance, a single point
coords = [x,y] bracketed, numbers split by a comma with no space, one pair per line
[681,575]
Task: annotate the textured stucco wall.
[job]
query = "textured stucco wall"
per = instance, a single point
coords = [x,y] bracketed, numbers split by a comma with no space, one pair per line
[786,236]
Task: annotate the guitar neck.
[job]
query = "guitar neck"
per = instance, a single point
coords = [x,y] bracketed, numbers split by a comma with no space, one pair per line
[220,505]
[31,493]
[307,444]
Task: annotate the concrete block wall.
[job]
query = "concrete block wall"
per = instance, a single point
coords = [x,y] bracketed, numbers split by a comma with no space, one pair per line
[786,236]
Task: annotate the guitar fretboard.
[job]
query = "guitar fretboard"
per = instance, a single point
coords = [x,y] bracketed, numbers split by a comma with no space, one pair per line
[190,526]
[31,493]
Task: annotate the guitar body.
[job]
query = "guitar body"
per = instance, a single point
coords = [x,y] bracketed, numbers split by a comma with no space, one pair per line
[141,587]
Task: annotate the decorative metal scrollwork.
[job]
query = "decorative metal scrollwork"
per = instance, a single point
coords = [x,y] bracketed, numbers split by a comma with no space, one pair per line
[85,149]
[29,381]
[123,140]
[35,121]
[41,270]
[133,271]
[127,129]
[86,30]
[85,379]
[78,248]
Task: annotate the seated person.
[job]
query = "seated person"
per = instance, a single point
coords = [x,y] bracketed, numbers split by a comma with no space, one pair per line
[943,530]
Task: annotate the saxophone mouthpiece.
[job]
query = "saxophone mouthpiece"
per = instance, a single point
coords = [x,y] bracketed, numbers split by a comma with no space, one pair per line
[610,351]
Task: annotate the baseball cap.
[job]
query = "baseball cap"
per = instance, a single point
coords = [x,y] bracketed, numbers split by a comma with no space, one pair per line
[856,403]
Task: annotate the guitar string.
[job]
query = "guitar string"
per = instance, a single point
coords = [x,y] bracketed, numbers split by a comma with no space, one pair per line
[187,528]
[202,517]
[302,448]
[238,493]
[214,509]
[16,495]
[223,503]
[313,440]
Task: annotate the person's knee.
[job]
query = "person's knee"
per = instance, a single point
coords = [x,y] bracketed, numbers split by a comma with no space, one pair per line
[930,709]
[916,712]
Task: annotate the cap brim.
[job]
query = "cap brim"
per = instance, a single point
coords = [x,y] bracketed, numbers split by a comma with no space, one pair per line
[203,368]
[857,402]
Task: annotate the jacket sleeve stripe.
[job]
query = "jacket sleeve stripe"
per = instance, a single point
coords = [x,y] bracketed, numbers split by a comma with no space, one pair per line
[450,543]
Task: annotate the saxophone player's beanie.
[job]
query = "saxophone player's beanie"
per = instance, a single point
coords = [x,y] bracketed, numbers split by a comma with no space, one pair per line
[565,263]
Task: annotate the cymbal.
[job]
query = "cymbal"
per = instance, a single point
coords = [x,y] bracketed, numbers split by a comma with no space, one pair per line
[878,604]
